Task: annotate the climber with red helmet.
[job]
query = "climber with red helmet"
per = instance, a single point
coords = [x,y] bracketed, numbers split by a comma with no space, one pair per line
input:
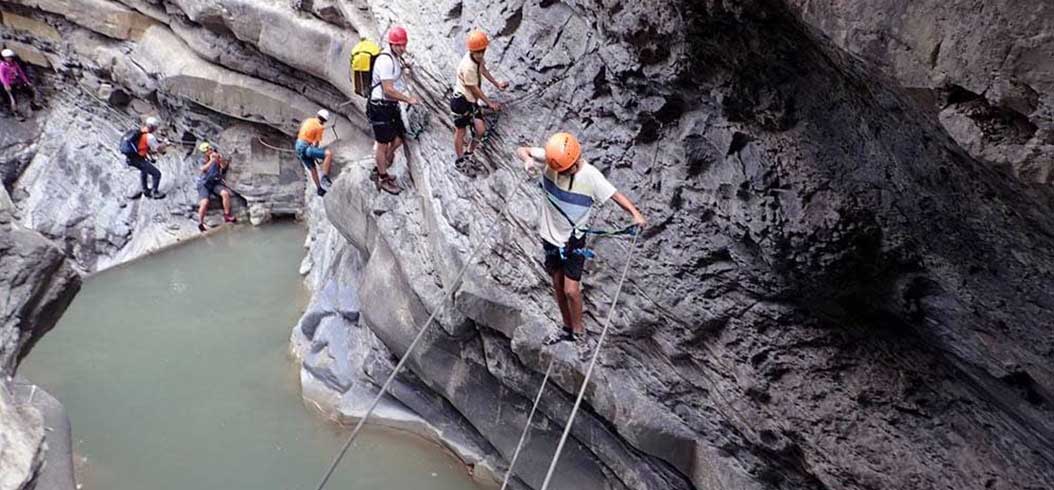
[572,187]
[388,89]
[468,94]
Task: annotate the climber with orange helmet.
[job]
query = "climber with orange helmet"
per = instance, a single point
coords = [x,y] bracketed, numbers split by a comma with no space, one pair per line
[388,89]
[468,94]
[572,187]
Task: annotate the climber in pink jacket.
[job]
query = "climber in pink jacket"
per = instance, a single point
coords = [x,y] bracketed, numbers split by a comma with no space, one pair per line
[14,79]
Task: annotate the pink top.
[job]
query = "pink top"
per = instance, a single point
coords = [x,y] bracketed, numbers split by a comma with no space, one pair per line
[10,72]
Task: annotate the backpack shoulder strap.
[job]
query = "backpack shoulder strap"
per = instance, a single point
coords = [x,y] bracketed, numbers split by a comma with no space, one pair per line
[372,63]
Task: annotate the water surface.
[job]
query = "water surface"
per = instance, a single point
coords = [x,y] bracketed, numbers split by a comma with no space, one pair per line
[176,375]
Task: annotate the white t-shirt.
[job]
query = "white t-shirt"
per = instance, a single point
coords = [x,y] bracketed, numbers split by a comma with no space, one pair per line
[385,68]
[468,75]
[152,142]
[573,195]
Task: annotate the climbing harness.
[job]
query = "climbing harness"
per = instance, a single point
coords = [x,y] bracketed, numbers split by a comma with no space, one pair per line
[592,364]
[527,425]
[409,350]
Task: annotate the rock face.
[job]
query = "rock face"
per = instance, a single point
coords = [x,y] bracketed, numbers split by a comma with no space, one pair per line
[37,283]
[833,292]
[987,67]
[114,66]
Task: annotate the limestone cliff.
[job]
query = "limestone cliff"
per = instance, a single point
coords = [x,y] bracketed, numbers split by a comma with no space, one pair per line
[833,293]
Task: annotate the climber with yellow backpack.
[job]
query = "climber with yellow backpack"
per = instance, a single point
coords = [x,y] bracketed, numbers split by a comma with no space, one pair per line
[378,75]
[571,187]
[468,94]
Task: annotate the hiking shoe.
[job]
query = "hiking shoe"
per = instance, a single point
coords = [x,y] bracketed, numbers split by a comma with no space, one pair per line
[558,336]
[229,218]
[202,228]
[387,184]
[321,192]
[157,195]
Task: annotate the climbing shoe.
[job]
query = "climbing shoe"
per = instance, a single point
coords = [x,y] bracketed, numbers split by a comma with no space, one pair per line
[326,182]
[137,195]
[202,228]
[321,192]
[229,218]
[157,195]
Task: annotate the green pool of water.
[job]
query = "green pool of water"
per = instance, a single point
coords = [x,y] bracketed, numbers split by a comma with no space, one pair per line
[176,375]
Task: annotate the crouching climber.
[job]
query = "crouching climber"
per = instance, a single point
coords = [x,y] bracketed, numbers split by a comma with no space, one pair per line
[211,183]
[468,94]
[15,81]
[141,147]
[571,187]
[382,109]
[309,152]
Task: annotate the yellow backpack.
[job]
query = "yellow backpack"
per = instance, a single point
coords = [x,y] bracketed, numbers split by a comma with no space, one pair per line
[363,56]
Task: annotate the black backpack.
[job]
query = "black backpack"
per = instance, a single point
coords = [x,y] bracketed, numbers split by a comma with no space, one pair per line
[130,142]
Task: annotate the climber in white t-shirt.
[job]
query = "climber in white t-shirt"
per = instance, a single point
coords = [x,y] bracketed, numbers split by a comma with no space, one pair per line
[572,187]
[388,89]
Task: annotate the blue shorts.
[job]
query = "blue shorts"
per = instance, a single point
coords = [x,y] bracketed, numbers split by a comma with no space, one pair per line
[309,154]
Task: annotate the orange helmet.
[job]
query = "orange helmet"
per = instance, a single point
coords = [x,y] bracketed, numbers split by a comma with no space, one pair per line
[561,151]
[477,41]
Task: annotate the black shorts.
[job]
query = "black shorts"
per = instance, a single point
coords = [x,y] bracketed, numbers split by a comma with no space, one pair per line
[464,111]
[570,263]
[386,121]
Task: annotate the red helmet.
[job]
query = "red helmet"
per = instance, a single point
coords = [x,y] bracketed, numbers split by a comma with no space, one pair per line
[397,35]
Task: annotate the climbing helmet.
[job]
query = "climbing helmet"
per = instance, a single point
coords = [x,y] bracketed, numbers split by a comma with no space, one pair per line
[561,151]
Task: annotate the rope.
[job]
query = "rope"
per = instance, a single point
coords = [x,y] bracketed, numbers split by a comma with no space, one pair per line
[409,350]
[589,370]
[527,426]
[275,148]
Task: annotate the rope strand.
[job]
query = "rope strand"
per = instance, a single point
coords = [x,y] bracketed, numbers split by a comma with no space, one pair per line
[409,350]
[592,364]
[527,426]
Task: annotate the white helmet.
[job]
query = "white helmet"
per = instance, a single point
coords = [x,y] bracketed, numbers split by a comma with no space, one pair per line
[323,114]
[7,53]
[152,122]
